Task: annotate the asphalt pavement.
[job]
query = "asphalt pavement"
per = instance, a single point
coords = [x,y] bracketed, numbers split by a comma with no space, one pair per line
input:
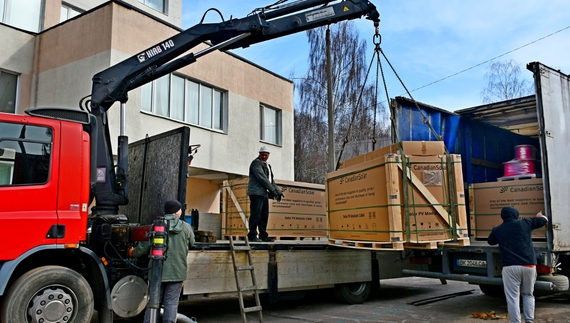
[403,300]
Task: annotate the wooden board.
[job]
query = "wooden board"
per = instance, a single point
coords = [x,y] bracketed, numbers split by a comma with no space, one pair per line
[212,272]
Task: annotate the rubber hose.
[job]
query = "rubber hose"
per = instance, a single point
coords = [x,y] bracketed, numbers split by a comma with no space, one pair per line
[181,318]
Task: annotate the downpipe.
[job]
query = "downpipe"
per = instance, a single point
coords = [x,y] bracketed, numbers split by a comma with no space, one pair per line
[539,285]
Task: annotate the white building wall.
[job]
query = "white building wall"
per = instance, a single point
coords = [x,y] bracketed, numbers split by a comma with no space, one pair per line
[17,57]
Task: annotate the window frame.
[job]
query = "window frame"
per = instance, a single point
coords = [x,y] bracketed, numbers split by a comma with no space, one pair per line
[164,6]
[34,140]
[221,113]
[65,5]
[278,125]
[5,17]
[16,100]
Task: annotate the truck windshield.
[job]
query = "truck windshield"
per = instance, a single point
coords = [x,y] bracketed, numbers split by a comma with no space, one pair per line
[25,154]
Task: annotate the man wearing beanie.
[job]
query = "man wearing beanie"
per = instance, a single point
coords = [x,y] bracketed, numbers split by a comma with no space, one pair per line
[180,238]
[514,238]
[260,186]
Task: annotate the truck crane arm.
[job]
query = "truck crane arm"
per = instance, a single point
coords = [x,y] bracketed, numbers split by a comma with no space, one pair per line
[110,183]
[112,84]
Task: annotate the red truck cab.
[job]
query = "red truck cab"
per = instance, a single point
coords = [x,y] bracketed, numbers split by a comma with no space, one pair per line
[44,183]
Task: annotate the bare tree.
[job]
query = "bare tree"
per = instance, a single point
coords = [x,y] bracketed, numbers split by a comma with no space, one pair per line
[353,102]
[504,81]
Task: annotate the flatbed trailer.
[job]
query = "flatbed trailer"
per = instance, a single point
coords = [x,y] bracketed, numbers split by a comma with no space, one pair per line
[286,266]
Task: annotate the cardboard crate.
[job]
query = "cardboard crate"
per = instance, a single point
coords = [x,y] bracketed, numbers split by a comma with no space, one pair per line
[487,199]
[409,148]
[301,213]
[367,200]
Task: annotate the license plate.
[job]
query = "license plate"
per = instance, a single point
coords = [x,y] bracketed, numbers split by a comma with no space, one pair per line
[472,263]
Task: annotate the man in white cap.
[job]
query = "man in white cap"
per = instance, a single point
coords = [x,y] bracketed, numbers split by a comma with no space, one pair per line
[261,186]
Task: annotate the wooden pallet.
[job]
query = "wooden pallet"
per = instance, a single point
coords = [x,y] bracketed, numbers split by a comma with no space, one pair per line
[436,244]
[205,236]
[460,242]
[297,238]
[423,245]
[371,245]
[282,238]
[516,177]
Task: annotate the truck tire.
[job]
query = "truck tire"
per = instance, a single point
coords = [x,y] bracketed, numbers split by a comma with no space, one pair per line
[492,290]
[352,293]
[560,281]
[48,294]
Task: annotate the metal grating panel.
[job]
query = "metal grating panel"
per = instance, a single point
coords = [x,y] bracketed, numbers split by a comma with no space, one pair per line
[157,173]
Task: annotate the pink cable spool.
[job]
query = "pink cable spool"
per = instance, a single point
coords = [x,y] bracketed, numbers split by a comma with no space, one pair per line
[525,152]
[526,167]
[511,168]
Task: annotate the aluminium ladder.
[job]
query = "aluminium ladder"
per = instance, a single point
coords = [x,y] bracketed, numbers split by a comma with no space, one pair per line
[241,289]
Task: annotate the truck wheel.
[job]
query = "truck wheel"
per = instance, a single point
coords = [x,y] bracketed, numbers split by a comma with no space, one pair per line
[560,281]
[48,294]
[492,290]
[352,293]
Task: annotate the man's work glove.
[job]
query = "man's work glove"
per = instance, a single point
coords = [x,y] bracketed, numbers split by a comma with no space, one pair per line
[279,197]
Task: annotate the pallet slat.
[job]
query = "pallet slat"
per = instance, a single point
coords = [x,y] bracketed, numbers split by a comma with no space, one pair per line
[372,245]
[516,177]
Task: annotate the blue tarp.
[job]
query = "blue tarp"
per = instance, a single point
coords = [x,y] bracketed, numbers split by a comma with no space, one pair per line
[483,148]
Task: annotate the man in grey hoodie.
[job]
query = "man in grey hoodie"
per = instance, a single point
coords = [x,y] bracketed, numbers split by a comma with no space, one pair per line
[180,238]
[514,238]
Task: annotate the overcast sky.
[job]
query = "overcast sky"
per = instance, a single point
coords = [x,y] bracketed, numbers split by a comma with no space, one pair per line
[428,41]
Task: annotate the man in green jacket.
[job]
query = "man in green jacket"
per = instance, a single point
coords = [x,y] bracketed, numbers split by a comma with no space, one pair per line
[180,238]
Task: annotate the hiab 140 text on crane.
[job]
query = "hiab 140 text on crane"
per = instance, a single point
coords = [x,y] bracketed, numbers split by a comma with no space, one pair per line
[58,161]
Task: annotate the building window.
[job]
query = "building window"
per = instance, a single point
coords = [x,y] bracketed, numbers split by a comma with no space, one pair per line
[68,12]
[270,125]
[8,90]
[25,154]
[158,5]
[23,14]
[178,98]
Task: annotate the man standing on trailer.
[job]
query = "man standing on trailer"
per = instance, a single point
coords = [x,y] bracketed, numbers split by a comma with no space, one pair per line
[260,188]
[514,238]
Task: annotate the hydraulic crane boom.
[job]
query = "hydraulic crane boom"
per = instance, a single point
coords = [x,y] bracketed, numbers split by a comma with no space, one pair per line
[113,84]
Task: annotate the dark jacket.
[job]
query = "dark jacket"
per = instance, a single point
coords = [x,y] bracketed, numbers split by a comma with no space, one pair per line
[514,237]
[180,238]
[260,179]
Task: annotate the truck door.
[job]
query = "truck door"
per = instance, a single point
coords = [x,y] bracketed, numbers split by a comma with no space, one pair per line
[553,109]
[28,184]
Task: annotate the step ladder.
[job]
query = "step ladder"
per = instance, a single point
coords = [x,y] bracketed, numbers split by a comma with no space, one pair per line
[247,289]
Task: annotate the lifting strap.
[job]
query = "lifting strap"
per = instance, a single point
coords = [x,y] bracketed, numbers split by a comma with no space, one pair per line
[376,39]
